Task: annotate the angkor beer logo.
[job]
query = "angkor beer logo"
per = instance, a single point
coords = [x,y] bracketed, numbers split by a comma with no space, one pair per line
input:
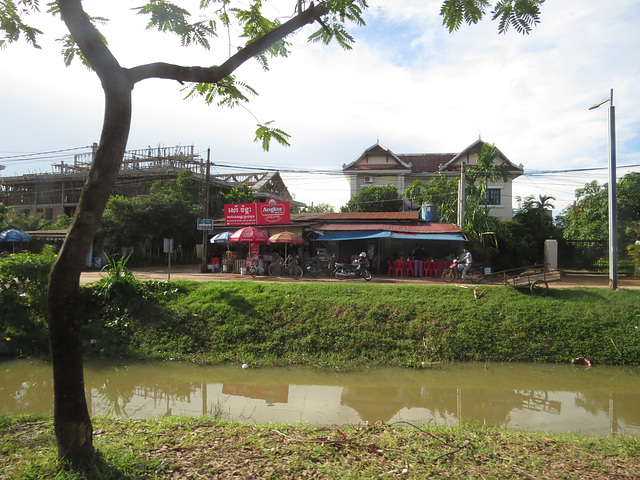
[272,211]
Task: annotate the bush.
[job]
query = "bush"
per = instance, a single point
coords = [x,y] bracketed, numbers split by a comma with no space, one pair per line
[23,301]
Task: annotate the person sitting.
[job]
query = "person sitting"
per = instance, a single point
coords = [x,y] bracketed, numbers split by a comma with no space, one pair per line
[465,259]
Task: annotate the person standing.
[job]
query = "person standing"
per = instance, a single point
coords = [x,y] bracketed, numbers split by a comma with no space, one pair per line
[418,259]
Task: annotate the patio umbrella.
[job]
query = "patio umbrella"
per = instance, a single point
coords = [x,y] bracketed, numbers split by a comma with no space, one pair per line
[252,235]
[286,238]
[221,237]
[14,235]
[249,234]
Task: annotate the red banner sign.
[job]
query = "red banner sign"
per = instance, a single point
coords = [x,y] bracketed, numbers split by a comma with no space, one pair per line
[271,212]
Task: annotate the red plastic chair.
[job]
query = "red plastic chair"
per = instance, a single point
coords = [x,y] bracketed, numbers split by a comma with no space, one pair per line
[429,269]
[392,269]
[408,267]
[438,268]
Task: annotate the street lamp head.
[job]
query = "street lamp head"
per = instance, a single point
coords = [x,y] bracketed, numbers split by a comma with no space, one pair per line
[608,98]
[593,107]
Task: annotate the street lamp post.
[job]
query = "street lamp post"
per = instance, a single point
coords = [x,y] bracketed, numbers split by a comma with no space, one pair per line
[613,262]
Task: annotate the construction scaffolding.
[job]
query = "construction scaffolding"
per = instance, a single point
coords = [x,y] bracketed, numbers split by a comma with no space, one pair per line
[47,195]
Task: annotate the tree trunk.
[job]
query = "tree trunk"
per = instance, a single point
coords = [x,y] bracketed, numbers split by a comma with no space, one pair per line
[71,416]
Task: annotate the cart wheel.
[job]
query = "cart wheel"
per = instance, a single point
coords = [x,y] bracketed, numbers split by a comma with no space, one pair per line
[539,287]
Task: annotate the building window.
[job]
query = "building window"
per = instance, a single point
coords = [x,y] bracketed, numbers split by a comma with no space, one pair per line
[493,196]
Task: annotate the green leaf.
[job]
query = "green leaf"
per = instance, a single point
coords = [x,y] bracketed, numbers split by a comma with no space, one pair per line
[265,134]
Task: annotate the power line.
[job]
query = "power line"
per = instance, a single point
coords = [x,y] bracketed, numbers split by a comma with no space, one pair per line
[575,170]
[27,155]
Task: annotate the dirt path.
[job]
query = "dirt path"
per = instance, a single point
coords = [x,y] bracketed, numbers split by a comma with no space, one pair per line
[192,272]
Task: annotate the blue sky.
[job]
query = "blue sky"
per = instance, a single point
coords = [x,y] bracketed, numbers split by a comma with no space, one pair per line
[407,82]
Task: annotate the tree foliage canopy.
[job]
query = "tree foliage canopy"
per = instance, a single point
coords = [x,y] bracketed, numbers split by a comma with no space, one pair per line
[375,199]
[588,218]
[170,210]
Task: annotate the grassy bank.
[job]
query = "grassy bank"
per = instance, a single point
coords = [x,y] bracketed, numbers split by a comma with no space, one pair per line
[337,324]
[206,448]
[355,324]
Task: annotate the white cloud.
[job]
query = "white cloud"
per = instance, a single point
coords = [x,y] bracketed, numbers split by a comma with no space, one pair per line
[407,81]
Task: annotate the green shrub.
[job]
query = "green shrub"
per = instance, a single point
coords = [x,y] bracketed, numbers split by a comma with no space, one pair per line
[23,301]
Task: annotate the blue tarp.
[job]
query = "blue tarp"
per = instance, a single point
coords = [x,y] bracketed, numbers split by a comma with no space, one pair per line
[368,234]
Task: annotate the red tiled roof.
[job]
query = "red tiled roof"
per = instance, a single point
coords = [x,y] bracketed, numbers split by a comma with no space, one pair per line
[391,227]
[373,166]
[426,162]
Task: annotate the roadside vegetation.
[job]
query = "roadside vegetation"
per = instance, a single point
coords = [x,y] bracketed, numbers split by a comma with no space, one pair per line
[324,324]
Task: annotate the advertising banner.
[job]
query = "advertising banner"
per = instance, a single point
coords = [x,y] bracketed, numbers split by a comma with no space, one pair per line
[241,214]
[272,212]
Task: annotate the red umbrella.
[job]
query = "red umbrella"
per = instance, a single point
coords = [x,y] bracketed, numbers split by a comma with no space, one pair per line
[249,234]
[286,238]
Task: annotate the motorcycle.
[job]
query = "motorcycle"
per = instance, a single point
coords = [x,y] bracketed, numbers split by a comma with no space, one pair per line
[344,270]
[454,272]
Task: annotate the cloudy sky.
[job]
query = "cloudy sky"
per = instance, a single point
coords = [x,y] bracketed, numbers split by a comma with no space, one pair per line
[408,83]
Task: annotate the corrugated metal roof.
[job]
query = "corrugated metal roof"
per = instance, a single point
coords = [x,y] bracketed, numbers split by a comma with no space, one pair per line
[391,227]
[371,216]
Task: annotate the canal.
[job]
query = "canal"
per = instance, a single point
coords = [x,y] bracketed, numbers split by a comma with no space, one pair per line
[599,400]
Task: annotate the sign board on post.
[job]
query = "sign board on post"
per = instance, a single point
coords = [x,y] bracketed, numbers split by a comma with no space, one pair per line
[205,224]
[168,249]
[272,212]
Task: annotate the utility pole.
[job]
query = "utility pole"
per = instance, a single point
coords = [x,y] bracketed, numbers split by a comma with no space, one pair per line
[461,195]
[612,202]
[203,267]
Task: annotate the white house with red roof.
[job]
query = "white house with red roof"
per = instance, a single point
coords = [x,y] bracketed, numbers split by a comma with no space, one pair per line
[379,166]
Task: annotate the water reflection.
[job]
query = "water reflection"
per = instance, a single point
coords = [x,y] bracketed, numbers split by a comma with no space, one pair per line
[559,398]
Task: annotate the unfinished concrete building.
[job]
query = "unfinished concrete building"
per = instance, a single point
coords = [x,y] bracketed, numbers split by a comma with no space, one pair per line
[47,195]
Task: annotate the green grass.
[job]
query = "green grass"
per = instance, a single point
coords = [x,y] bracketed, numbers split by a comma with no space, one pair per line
[345,324]
[207,448]
[368,324]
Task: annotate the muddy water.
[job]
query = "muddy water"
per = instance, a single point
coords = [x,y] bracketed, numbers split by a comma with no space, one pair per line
[556,398]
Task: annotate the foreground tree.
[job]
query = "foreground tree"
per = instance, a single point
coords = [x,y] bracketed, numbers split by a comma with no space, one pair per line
[264,37]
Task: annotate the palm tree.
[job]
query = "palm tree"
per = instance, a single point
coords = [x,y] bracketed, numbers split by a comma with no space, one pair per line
[485,171]
[544,202]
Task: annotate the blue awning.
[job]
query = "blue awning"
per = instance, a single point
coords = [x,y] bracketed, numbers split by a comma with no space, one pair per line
[369,234]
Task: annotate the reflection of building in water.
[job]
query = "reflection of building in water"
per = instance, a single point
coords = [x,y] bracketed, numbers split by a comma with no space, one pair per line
[269,393]
[380,404]
[539,401]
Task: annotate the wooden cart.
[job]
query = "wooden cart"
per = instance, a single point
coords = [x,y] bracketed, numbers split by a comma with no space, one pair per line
[537,281]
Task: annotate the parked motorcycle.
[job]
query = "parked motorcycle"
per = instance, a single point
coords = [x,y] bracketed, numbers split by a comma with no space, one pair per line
[358,269]
[454,272]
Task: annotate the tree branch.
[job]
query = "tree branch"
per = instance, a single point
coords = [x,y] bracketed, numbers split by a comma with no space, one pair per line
[214,74]
[89,40]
